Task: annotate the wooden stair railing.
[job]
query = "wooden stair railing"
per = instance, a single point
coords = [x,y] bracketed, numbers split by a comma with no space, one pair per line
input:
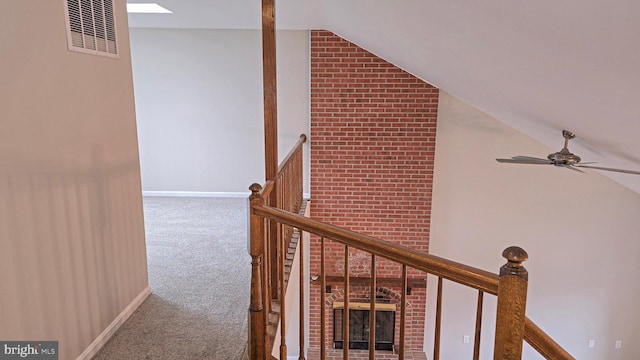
[271,230]
[512,327]
[269,247]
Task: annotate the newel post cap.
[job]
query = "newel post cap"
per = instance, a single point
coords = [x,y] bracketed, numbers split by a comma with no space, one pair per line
[515,256]
[255,188]
[255,191]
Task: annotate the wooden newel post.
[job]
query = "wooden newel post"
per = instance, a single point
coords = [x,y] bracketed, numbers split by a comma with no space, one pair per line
[512,301]
[257,312]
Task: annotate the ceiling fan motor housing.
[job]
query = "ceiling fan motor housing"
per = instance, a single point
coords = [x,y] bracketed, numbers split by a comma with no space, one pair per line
[564,157]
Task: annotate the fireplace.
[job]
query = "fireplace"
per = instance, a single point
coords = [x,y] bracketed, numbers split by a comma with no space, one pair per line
[359,314]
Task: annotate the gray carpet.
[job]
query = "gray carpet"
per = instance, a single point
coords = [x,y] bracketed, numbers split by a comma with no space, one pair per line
[199,272]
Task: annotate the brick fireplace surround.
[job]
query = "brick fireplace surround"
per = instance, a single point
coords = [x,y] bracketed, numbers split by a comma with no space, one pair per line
[373,137]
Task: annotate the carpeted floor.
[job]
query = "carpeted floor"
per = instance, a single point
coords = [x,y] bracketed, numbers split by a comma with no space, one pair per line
[199,272]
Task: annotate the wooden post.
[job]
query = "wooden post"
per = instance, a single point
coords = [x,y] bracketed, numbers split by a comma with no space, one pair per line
[258,339]
[512,301]
[270,88]
[269,84]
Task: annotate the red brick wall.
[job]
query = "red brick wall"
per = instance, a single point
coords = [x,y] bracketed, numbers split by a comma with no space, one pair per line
[373,129]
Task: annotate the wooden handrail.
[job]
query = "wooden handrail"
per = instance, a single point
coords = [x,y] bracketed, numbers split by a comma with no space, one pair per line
[451,270]
[543,343]
[268,187]
[292,152]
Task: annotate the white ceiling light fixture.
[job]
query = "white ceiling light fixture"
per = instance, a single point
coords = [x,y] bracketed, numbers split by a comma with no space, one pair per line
[147,8]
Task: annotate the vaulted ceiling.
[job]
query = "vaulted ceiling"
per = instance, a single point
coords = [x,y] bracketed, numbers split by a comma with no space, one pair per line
[538,66]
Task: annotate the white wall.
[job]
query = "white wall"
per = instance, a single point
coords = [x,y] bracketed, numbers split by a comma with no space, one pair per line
[199,106]
[71,225]
[580,230]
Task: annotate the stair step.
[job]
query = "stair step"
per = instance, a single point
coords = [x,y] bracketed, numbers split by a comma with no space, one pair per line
[288,263]
[275,306]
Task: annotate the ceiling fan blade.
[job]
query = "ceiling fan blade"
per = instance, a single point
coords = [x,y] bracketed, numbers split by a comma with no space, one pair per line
[609,169]
[531,158]
[531,161]
[570,167]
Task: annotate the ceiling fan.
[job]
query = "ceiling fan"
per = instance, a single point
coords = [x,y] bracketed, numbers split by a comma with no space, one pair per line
[563,158]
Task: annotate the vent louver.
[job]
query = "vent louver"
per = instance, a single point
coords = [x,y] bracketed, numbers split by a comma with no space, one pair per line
[91,27]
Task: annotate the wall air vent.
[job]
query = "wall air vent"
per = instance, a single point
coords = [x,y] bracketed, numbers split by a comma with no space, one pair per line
[91,27]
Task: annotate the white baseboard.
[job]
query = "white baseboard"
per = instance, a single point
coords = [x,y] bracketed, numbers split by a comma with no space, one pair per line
[102,339]
[197,194]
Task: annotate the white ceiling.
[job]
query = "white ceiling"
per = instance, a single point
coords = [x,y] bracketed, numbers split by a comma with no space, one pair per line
[538,66]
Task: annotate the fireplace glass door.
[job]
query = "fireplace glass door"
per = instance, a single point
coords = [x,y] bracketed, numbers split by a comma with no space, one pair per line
[359,329]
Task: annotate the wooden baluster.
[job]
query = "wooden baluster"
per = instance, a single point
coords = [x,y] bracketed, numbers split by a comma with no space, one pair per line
[403,310]
[345,317]
[283,291]
[302,294]
[290,174]
[272,237]
[476,341]
[266,272]
[300,181]
[272,254]
[258,317]
[289,188]
[372,310]
[436,342]
[268,260]
[285,190]
[512,301]
[323,315]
